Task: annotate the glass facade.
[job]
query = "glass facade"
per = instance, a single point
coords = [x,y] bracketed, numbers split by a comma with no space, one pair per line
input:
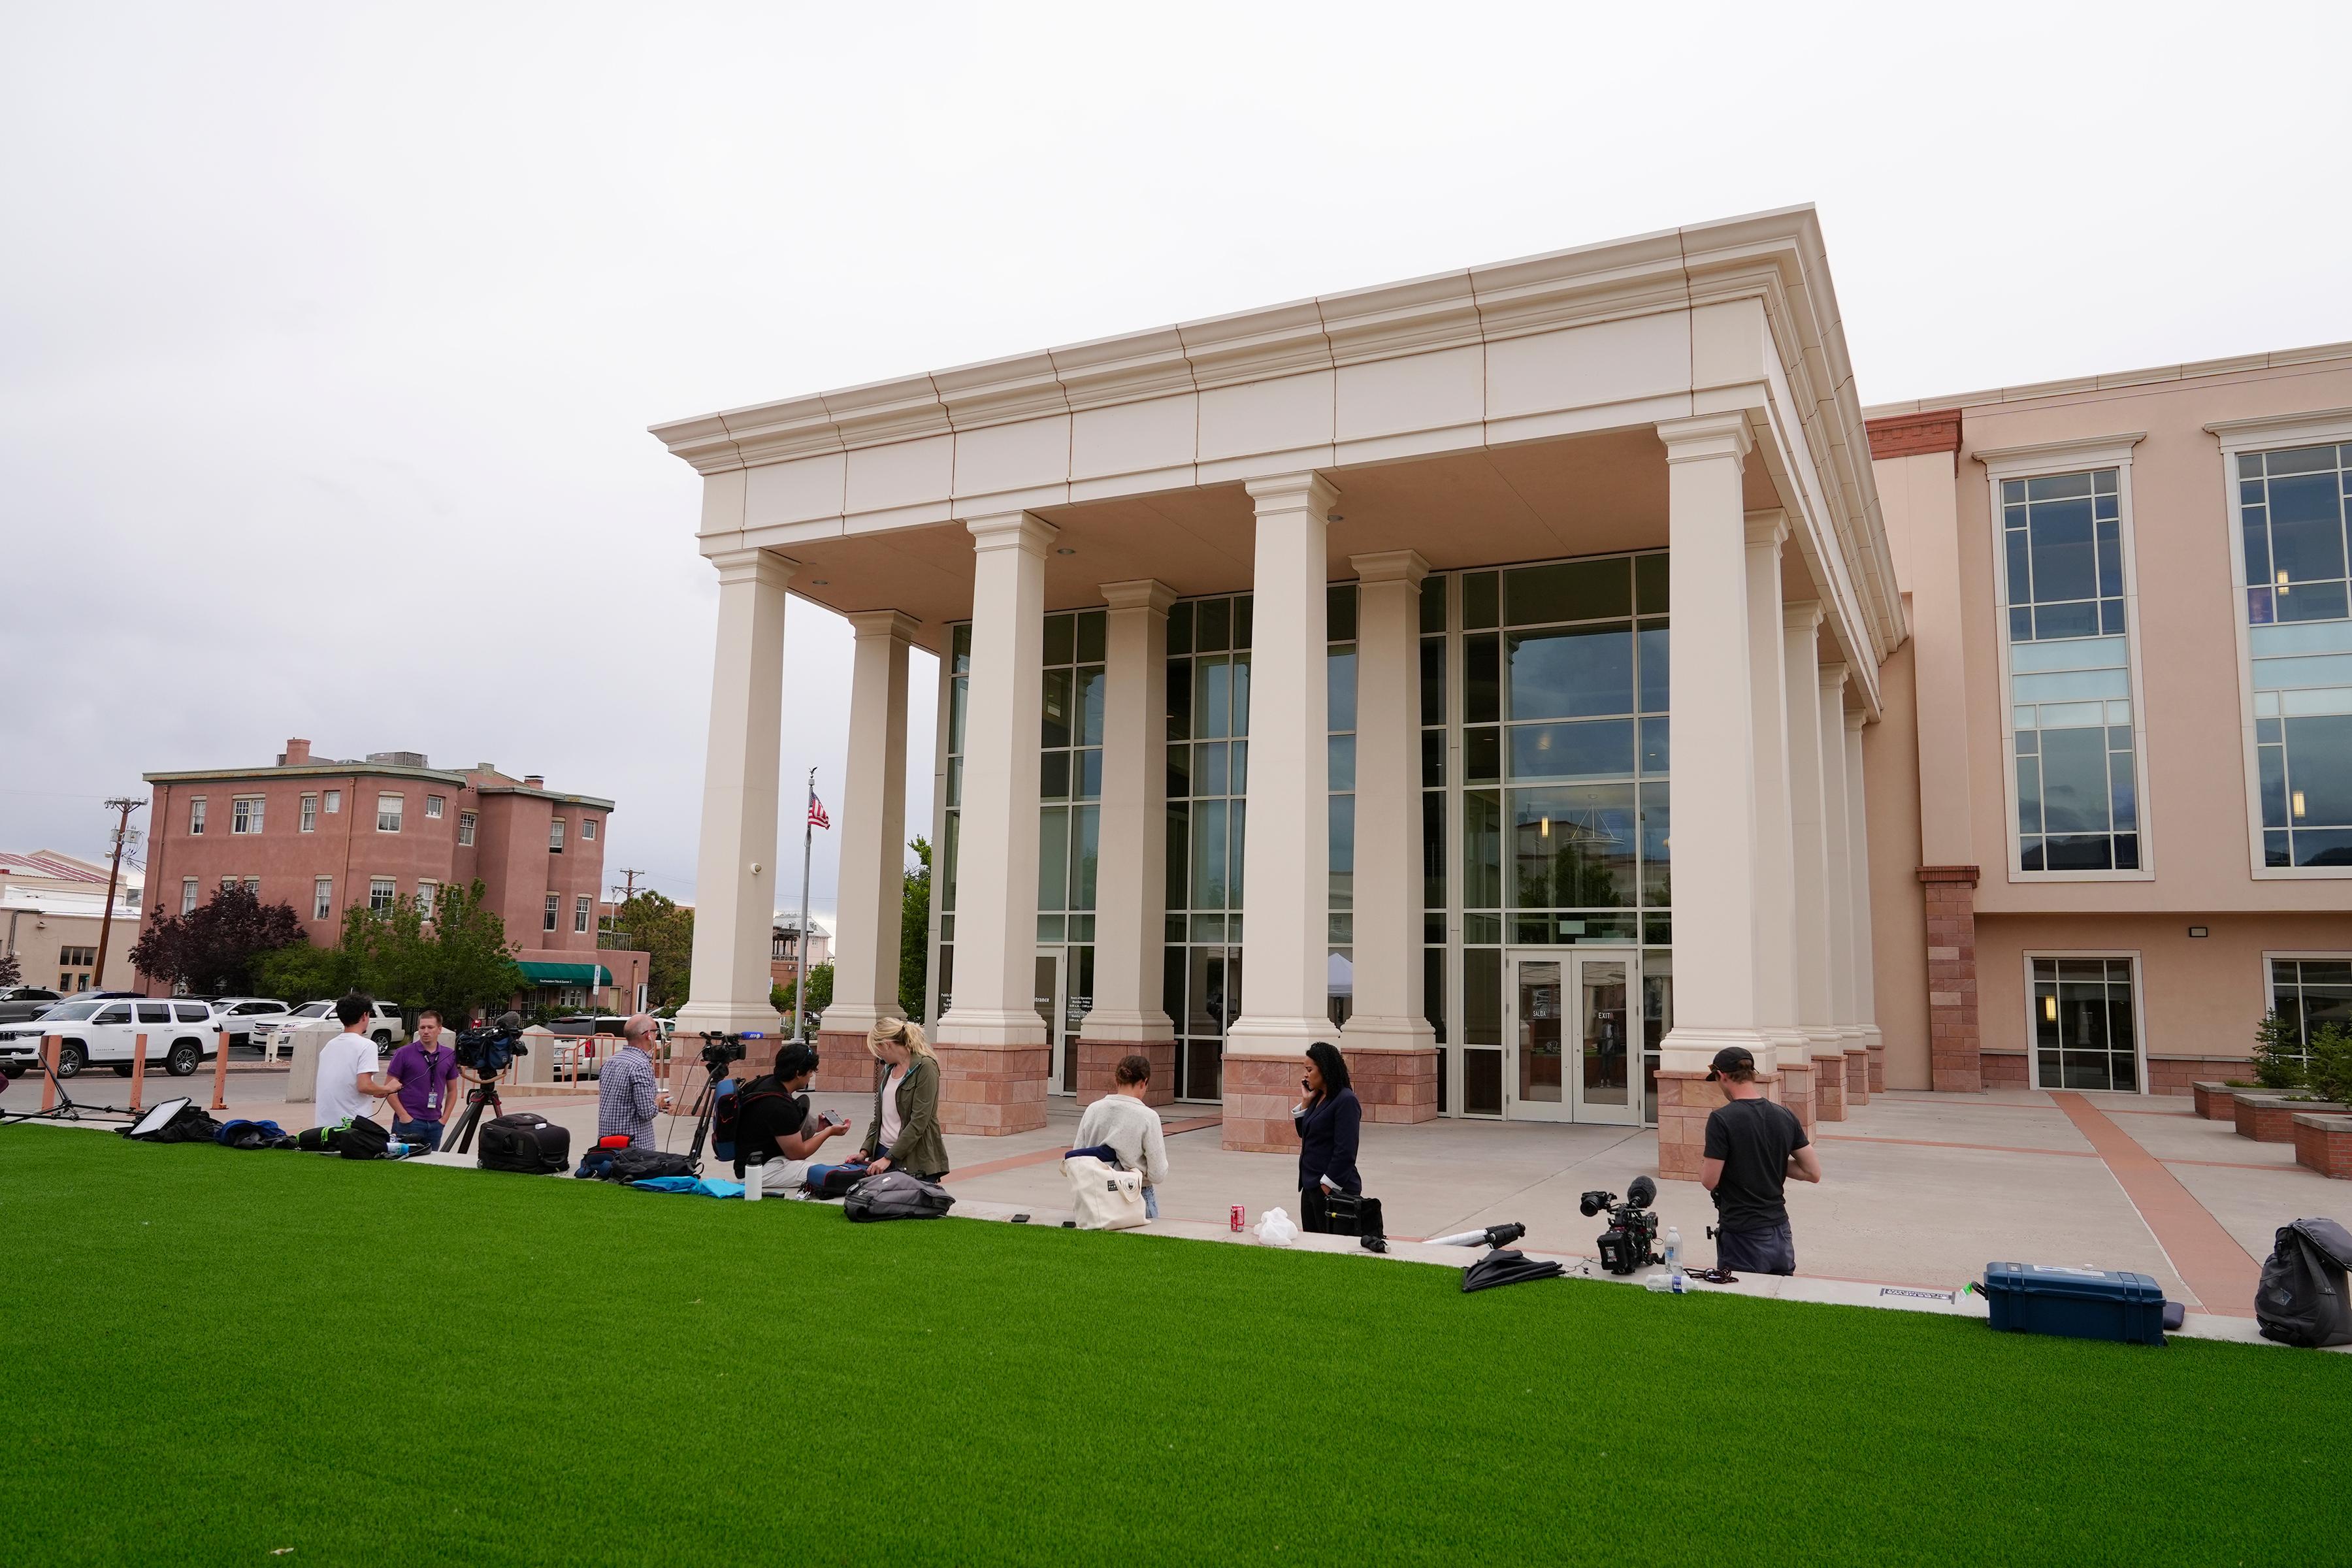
[2085,1032]
[2312,993]
[1208,776]
[2292,512]
[2070,663]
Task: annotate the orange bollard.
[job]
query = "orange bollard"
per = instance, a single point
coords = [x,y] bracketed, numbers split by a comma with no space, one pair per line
[138,1072]
[49,1079]
[220,1069]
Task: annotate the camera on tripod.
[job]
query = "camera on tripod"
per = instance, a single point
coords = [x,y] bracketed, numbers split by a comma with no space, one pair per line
[488,1049]
[1631,1237]
[719,1050]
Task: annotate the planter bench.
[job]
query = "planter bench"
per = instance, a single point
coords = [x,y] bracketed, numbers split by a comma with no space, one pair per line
[2323,1143]
[2269,1118]
[2213,1099]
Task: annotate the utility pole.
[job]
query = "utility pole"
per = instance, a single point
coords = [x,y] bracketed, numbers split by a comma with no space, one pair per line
[122,806]
[630,891]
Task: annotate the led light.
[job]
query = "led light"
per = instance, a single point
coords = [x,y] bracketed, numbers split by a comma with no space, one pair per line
[1547,821]
[2282,580]
[2049,1008]
[2298,802]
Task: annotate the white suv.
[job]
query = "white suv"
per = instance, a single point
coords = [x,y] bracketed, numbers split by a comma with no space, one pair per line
[387,1029]
[247,1019]
[179,1035]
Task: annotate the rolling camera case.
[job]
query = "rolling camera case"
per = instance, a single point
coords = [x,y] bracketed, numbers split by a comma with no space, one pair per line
[2077,1303]
[525,1142]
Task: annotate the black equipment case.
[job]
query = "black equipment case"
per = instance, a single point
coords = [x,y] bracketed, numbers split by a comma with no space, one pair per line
[526,1143]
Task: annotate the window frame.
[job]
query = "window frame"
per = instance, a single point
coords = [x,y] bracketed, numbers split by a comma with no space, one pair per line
[2046,461]
[2297,954]
[391,889]
[466,824]
[191,894]
[551,916]
[2139,1011]
[252,810]
[306,820]
[399,812]
[434,805]
[583,913]
[323,898]
[332,803]
[587,830]
[556,832]
[428,897]
[197,811]
[2239,438]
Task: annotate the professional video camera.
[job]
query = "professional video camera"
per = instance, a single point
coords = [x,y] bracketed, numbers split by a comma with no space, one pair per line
[1631,1237]
[720,1049]
[489,1048]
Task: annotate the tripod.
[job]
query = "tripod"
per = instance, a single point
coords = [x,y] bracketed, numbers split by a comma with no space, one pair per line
[65,1109]
[460,1138]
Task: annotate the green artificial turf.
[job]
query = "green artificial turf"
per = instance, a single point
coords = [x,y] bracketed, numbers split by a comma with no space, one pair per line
[213,1355]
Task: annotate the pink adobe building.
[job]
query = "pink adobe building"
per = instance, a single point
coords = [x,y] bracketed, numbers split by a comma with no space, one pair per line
[322,835]
[2111,801]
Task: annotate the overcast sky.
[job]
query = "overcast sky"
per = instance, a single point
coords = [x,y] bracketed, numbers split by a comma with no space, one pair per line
[329,335]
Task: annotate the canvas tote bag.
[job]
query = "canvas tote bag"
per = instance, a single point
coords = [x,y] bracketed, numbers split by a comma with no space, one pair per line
[1105,1196]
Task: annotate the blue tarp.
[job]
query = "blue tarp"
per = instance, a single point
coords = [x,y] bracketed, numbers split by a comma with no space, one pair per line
[702,1185]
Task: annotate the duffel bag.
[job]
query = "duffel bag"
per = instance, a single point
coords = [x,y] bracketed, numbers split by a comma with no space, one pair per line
[362,1139]
[525,1142]
[1103,1195]
[1324,1212]
[895,1194]
[187,1125]
[647,1165]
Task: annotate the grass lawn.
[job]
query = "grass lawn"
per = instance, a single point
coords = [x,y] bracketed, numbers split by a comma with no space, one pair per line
[213,1355]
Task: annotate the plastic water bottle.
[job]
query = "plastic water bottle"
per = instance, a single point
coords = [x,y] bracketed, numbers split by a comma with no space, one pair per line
[754,1170]
[1674,1281]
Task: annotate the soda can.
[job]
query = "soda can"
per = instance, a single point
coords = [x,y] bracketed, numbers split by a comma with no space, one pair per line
[1237,1219]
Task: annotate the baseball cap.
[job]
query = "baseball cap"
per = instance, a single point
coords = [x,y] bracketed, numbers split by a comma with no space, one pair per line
[1731,1059]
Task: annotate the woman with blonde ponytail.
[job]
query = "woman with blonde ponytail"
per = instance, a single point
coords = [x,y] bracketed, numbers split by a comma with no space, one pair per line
[905,1132]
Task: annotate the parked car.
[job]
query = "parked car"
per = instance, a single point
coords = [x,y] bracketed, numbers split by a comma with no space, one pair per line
[247,1019]
[106,1031]
[18,1003]
[387,1030]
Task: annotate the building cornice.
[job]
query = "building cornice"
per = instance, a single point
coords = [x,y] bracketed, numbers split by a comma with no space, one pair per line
[2192,370]
[320,770]
[1914,435]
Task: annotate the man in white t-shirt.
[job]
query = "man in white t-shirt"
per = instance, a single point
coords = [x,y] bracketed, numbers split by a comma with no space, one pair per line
[349,1083]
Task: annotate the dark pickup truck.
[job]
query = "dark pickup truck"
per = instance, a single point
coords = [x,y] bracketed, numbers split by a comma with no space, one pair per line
[20,1003]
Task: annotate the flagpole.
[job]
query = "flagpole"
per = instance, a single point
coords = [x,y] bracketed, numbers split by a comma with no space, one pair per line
[801,969]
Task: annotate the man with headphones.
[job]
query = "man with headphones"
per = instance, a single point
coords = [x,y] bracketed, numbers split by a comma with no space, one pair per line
[773,1122]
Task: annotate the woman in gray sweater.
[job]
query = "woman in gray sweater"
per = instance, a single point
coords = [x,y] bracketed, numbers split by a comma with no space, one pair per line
[1121,1122]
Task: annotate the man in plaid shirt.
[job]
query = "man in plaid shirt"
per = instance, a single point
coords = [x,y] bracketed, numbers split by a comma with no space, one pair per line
[626,1096]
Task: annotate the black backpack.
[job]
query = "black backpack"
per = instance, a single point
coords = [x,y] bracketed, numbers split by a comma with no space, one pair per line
[525,1142]
[2301,1300]
[728,1106]
[644,1164]
[188,1125]
[895,1194]
[361,1138]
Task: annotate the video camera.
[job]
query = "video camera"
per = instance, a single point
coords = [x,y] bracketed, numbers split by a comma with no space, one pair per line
[720,1050]
[1631,1237]
[490,1049]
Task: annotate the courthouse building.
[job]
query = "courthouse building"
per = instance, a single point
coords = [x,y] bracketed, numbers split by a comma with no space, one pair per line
[1536,678]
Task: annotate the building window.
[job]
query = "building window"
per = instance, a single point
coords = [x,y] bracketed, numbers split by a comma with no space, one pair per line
[195,817]
[310,814]
[555,836]
[2312,992]
[253,886]
[2064,570]
[554,912]
[466,827]
[1208,780]
[244,814]
[78,957]
[433,806]
[588,830]
[2086,1028]
[1340,769]
[2292,512]
[380,894]
[187,895]
[388,812]
[334,801]
[426,892]
[581,913]
[227,883]
[323,898]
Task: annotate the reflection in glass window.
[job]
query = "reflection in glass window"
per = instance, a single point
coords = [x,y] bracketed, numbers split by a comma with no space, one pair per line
[2312,993]
[2292,512]
[2084,1036]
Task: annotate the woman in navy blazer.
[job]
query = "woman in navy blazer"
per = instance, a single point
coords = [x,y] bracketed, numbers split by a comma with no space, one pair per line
[1328,1120]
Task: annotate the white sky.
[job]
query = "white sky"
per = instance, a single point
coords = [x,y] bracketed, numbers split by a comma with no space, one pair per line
[329,333]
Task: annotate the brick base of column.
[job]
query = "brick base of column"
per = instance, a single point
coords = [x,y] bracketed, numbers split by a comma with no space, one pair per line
[1685,1099]
[844,1065]
[1394,1085]
[1953,1063]
[1878,1069]
[1098,1061]
[2179,1075]
[1828,1089]
[1857,1078]
[991,1091]
[1797,1092]
[1259,1093]
[2002,1069]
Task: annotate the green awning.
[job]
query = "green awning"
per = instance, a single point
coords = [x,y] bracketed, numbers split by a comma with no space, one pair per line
[566,973]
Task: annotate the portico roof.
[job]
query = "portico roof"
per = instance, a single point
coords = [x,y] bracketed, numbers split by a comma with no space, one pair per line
[1497,413]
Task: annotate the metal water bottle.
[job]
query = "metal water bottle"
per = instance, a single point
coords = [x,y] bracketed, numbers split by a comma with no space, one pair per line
[754,1172]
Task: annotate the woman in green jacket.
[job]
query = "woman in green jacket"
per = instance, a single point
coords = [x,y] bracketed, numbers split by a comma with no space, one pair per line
[905,1132]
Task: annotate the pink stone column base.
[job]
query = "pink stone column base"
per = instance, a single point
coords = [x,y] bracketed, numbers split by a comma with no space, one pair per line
[1259,1093]
[1797,1092]
[1878,1069]
[1828,1089]
[844,1065]
[1857,1077]
[1099,1060]
[1685,1099]
[991,1090]
[1394,1085]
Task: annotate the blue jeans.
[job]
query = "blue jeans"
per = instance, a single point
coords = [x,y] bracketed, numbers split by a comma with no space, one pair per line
[428,1133]
[1150,1203]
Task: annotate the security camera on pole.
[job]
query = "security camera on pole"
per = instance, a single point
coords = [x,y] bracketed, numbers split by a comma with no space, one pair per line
[816,819]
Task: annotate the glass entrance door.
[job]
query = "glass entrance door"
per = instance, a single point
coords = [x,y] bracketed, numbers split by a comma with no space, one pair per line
[1569,1036]
[1054,1006]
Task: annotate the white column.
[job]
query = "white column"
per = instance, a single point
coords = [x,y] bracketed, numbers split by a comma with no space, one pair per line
[996,843]
[735,872]
[1131,880]
[1837,854]
[1800,631]
[1401,1084]
[868,940]
[1857,828]
[1714,779]
[1287,854]
[1776,901]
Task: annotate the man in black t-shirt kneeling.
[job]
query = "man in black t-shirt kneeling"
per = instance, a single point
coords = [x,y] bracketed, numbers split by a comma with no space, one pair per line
[775,1123]
[1753,1147]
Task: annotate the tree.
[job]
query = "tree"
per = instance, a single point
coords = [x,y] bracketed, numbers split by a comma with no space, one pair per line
[2279,1060]
[662,930]
[454,962]
[915,933]
[820,992]
[301,973]
[2330,1073]
[12,971]
[214,949]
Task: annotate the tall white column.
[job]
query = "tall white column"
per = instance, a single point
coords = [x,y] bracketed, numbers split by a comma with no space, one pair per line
[1392,1051]
[1286,856]
[1131,880]
[867,941]
[992,1042]
[1857,826]
[1837,854]
[1775,898]
[1800,640]
[735,871]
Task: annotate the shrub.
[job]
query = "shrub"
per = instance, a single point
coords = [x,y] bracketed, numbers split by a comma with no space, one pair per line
[2330,1073]
[2278,1053]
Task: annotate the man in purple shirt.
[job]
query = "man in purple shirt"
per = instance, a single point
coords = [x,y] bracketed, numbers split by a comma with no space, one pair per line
[426,1069]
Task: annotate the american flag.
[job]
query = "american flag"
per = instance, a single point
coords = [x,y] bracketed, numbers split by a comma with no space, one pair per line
[817,818]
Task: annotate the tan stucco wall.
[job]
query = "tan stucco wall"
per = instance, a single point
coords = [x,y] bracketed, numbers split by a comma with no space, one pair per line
[1899,947]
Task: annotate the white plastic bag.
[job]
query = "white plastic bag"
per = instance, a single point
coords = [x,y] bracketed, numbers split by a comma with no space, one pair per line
[1276,1229]
[1103,1196]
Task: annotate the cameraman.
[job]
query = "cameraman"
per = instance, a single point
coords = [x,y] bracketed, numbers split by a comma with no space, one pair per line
[626,1095]
[774,1122]
[1753,1147]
